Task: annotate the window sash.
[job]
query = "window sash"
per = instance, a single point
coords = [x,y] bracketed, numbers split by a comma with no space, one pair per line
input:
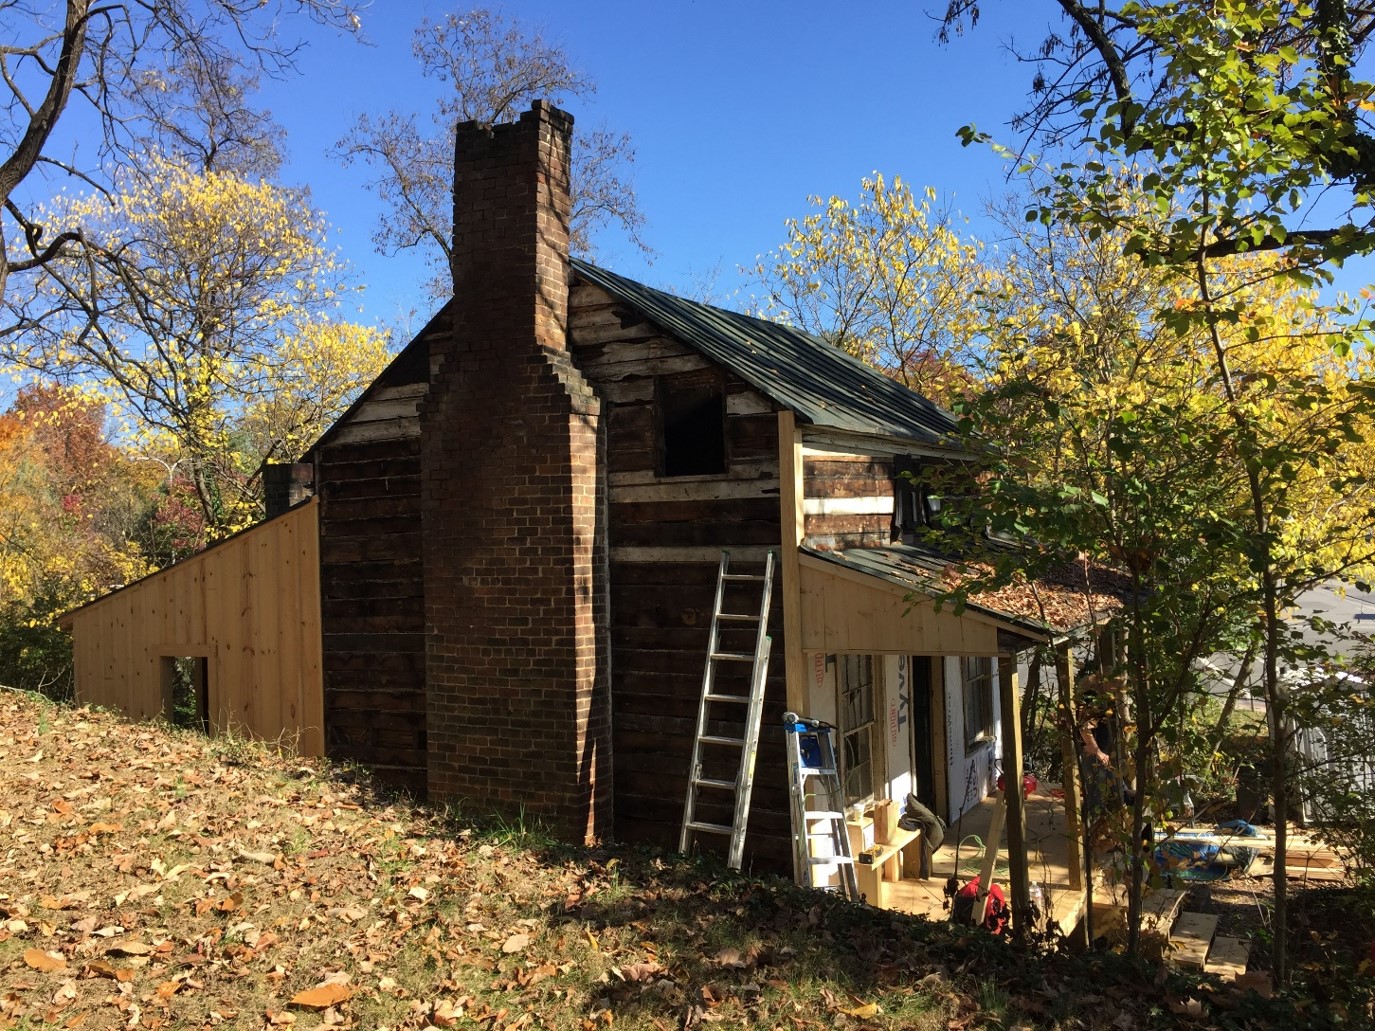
[855,707]
[978,701]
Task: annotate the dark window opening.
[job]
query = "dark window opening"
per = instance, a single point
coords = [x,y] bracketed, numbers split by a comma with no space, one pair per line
[186,692]
[692,414]
[928,499]
[950,511]
[909,517]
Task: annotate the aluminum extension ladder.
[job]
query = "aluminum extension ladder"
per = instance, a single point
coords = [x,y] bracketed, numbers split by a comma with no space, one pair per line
[812,756]
[715,699]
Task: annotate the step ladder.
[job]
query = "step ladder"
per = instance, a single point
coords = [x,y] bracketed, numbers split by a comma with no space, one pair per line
[718,704]
[812,757]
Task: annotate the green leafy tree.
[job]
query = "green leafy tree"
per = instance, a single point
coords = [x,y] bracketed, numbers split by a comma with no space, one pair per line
[1104,446]
[1238,115]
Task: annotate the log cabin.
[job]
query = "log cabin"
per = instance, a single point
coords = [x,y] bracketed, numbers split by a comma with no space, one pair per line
[491,579]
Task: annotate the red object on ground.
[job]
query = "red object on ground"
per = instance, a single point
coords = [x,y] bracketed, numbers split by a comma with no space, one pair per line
[996,912]
[1029,783]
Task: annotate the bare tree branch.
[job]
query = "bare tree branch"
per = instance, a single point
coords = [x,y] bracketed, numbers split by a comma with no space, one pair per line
[495,67]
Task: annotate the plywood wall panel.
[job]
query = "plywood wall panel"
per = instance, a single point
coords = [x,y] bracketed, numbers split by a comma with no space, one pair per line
[250,606]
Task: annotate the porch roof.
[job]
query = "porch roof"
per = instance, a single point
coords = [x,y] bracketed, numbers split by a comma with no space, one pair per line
[1038,610]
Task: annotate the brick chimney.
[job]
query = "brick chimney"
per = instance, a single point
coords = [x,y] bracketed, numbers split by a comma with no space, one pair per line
[512,502]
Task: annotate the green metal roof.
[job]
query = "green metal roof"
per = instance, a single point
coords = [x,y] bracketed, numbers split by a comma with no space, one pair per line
[817,381]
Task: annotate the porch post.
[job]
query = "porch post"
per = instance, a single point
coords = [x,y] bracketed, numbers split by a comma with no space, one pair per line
[1018,873]
[1069,761]
[792,519]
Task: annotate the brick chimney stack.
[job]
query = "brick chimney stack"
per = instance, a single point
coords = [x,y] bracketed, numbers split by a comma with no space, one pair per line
[513,526]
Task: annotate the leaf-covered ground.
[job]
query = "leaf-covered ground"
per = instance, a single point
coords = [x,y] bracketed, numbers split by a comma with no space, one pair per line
[152,878]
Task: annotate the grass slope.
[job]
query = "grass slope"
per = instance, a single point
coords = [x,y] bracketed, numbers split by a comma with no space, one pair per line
[151,878]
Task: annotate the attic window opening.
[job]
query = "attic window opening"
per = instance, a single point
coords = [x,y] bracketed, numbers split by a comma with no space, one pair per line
[910,496]
[692,424]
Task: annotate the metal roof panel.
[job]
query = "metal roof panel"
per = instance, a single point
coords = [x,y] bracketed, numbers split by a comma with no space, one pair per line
[818,381]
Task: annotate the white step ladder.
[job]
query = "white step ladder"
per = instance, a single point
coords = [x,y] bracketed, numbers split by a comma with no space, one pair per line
[717,700]
[812,757]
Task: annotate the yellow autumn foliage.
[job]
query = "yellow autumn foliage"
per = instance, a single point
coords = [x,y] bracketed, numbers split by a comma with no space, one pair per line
[1101,335]
[207,317]
[887,279]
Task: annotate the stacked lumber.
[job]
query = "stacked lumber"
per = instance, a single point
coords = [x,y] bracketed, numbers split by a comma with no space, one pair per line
[1307,857]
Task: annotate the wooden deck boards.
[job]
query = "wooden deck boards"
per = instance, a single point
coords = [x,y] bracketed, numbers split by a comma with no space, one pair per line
[1228,956]
[1158,911]
[1048,850]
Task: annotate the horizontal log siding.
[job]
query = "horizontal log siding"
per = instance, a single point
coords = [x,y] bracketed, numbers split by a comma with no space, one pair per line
[842,478]
[372,592]
[661,609]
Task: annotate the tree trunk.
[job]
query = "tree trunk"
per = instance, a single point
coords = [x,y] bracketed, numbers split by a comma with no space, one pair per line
[1138,679]
[1277,708]
[1238,685]
[1030,704]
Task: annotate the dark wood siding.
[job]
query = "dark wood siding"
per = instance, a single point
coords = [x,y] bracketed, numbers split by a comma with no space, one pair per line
[854,485]
[372,591]
[666,535]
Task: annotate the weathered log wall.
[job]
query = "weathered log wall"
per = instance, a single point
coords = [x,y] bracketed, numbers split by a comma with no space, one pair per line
[847,499]
[666,537]
[367,471]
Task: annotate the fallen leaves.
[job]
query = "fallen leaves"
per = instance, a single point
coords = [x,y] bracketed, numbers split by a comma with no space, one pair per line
[322,996]
[176,889]
[37,959]
[638,971]
[864,1010]
[129,948]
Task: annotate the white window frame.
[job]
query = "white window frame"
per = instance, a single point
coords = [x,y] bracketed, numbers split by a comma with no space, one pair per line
[857,696]
[976,681]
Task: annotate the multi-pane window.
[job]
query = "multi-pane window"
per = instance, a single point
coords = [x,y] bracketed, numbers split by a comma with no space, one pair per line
[978,700]
[855,700]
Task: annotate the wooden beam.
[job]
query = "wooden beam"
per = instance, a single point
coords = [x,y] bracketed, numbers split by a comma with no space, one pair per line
[992,844]
[1018,871]
[1069,760]
[791,499]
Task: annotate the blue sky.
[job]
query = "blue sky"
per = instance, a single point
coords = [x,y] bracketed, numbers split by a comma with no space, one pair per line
[738,112]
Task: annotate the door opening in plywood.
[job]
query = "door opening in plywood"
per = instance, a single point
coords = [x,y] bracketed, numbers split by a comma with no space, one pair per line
[186,692]
[923,733]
